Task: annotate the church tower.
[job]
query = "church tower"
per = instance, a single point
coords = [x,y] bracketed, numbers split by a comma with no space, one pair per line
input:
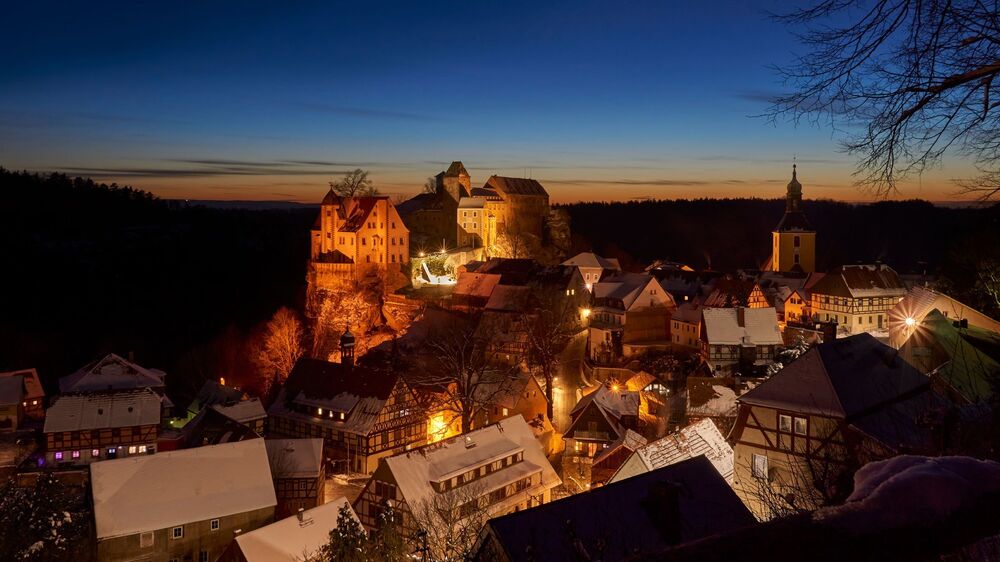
[793,240]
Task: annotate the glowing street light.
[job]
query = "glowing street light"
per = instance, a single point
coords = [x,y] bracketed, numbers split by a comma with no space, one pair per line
[585,312]
[910,321]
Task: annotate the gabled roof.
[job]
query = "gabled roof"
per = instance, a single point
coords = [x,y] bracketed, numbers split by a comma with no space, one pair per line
[100,410]
[476,284]
[672,505]
[512,271]
[11,390]
[211,392]
[32,384]
[359,212]
[509,298]
[111,372]
[209,427]
[289,539]
[420,202]
[730,292]
[702,438]
[356,391]
[627,287]
[414,471]
[516,186]
[921,301]
[153,492]
[688,312]
[629,441]
[859,281]
[331,198]
[295,458]
[841,378]
[590,259]
[613,405]
[243,411]
[758,326]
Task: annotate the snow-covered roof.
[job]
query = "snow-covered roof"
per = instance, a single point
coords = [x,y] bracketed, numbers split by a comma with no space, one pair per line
[111,373]
[75,412]
[861,281]
[152,492]
[289,539]
[415,470]
[476,284]
[759,326]
[628,287]
[688,312]
[590,259]
[243,411]
[32,384]
[702,438]
[920,301]
[295,458]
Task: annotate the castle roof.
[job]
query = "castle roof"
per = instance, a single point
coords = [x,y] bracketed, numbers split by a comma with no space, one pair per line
[516,186]
[456,169]
[331,198]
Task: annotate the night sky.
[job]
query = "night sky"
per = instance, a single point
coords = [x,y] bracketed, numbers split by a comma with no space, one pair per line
[245,100]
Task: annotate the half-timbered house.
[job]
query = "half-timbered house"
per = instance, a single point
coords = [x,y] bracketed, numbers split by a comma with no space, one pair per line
[298,473]
[84,428]
[598,421]
[497,469]
[362,414]
[802,433]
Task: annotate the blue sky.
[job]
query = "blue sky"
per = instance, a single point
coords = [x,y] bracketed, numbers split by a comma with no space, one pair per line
[244,100]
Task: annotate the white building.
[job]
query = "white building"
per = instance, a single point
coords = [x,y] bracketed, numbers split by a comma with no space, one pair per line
[500,468]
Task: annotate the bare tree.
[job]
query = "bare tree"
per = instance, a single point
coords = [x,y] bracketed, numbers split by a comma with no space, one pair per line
[354,184]
[281,346]
[468,374]
[349,305]
[430,186]
[550,327]
[917,75]
[449,523]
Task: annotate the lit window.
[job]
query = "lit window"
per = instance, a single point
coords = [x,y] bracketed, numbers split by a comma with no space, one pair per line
[76,454]
[319,411]
[132,449]
[505,411]
[59,455]
[341,415]
[142,449]
[214,524]
[34,402]
[96,453]
[785,423]
[112,450]
[178,532]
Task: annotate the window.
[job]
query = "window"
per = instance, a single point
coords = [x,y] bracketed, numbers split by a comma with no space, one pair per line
[96,453]
[214,524]
[203,556]
[178,532]
[796,256]
[142,449]
[759,468]
[59,455]
[801,426]
[146,539]
[785,423]
[132,449]
[76,454]
[795,241]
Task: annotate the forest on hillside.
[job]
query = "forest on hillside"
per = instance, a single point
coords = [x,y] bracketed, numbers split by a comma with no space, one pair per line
[91,269]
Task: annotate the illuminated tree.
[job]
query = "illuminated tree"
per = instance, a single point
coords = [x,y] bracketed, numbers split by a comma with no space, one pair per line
[44,522]
[342,307]
[550,326]
[354,184]
[449,523]
[467,372]
[280,347]
[917,76]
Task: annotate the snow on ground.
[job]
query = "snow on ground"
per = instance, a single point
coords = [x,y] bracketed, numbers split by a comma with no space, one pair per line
[912,491]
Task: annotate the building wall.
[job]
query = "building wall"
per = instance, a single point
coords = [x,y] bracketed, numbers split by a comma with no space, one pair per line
[296,493]
[855,315]
[10,416]
[685,334]
[121,439]
[786,254]
[198,538]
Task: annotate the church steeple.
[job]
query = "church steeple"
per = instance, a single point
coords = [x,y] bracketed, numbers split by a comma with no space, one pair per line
[794,240]
[793,197]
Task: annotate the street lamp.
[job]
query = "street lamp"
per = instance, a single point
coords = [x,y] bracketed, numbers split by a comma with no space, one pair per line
[910,321]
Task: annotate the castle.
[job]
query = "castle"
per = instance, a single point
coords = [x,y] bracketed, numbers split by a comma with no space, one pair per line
[354,238]
[457,215]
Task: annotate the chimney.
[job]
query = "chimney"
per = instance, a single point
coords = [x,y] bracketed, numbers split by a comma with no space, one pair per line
[299,514]
[741,318]
[131,356]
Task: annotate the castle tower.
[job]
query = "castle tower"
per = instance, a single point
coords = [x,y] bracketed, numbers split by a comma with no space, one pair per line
[347,348]
[793,240]
[456,181]
[328,221]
